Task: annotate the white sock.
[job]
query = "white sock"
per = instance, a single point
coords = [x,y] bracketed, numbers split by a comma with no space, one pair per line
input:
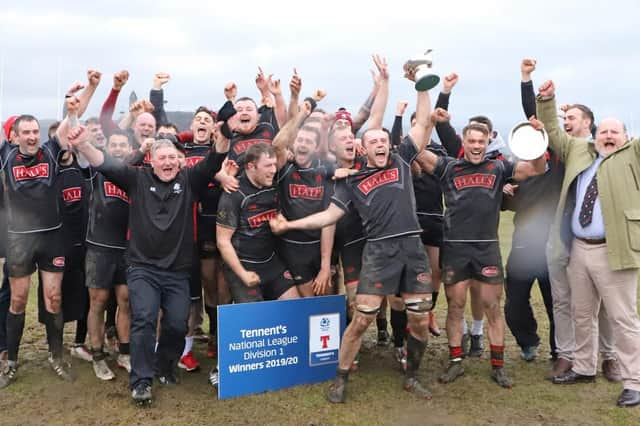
[188,345]
[476,327]
[155,349]
[465,328]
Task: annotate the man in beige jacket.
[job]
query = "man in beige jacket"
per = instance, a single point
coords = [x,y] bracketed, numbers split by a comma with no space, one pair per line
[598,224]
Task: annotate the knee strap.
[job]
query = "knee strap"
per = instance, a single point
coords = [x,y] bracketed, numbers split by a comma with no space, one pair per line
[368,310]
[419,306]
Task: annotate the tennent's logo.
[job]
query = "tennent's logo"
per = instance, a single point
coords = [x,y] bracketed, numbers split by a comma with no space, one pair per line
[324,339]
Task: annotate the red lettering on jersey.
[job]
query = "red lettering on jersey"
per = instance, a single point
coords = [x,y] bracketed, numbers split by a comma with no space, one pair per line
[71,195]
[377,179]
[147,158]
[259,219]
[192,161]
[35,172]
[474,180]
[242,146]
[306,192]
[111,190]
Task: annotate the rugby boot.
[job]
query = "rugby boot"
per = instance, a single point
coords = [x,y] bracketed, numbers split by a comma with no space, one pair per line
[61,368]
[337,391]
[413,385]
[383,338]
[400,355]
[466,343]
[500,377]
[454,370]
[8,374]
[214,377]
[476,346]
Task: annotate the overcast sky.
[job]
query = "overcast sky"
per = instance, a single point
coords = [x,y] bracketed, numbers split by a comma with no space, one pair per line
[590,49]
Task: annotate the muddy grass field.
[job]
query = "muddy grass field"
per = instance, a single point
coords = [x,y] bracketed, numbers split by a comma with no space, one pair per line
[375,393]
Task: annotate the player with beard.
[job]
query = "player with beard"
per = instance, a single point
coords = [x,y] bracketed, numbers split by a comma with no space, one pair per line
[160,251]
[105,266]
[303,184]
[470,254]
[393,259]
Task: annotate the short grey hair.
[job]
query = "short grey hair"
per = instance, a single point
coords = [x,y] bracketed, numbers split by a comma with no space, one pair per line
[161,143]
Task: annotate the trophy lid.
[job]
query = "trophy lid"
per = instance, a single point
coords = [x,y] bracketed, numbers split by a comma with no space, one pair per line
[527,143]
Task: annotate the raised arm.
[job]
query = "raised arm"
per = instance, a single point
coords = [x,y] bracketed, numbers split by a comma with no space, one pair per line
[380,102]
[427,160]
[93,80]
[559,141]
[156,97]
[285,137]
[280,108]
[295,85]
[396,130]
[106,113]
[365,110]
[447,134]
[527,93]
[420,132]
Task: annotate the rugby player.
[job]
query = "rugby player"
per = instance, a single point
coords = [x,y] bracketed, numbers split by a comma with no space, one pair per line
[470,254]
[393,258]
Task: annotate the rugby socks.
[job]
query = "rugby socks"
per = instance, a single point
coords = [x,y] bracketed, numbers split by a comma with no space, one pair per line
[398,327]
[415,351]
[212,313]
[381,324]
[455,354]
[188,345]
[497,356]
[476,327]
[465,328]
[54,326]
[124,348]
[81,331]
[98,354]
[15,327]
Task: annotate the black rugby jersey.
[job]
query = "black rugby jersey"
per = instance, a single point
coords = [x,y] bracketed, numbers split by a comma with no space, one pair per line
[302,192]
[473,195]
[160,213]
[73,189]
[384,196]
[108,214]
[248,211]
[209,196]
[427,188]
[240,143]
[349,227]
[31,198]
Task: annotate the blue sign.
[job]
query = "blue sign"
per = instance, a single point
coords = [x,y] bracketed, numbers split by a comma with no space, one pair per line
[274,345]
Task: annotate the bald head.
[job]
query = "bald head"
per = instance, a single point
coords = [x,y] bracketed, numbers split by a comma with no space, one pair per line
[144,126]
[610,136]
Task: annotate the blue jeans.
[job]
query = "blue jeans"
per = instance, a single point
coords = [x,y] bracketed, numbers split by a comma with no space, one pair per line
[152,289]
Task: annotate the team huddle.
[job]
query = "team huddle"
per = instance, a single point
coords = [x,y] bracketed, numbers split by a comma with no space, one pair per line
[272,200]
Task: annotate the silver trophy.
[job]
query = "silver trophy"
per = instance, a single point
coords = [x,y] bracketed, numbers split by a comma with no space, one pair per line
[426,78]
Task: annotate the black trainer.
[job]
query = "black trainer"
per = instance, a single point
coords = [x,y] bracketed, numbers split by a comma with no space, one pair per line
[141,394]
